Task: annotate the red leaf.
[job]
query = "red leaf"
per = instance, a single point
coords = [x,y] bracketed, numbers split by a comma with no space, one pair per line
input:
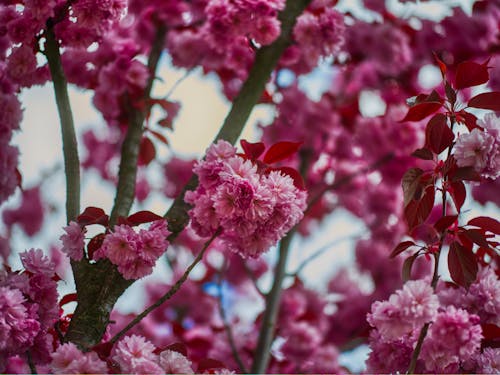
[423,153]
[422,110]
[411,184]
[477,236]
[417,211]
[298,181]
[451,94]
[93,215]
[103,350]
[491,331]
[207,364]
[458,194]
[402,246]
[407,265]
[445,222]
[464,173]
[178,347]
[487,100]
[71,297]
[468,119]
[487,223]
[94,244]
[462,264]
[159,136]
[438,136]
[147,152]
[470,73]
[142,217]
[441,64]
[280,151]
[252,150]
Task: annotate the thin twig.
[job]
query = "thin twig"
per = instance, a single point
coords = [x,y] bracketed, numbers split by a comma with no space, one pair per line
[435,276]
[167,295]
[30,363]
[252,277]
[177,83]
[227,327]
[268,325]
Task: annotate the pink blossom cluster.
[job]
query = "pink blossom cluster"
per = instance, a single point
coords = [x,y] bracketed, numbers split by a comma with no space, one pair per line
[73,241]
[135,253]
[453,341]
[480,148]
[253,209]
[28,309]
[29,215]
[318,33]
[255,19]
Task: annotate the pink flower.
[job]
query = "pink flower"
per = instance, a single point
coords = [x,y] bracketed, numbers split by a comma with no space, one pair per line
[454,337]
[68,359]
[73,241]
[29,214]
[253,209]
[406,310]
[488,362]
[35,261]
[479,150]
[173,362]
[135,354]
[483,297]
[18,322]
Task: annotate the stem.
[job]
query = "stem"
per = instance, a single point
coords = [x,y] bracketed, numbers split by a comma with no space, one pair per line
[100,285]
[70,146]
[30,363]
[267,328]
[227,328]
[127,174]
[167,295]
[435,276]
[266,60]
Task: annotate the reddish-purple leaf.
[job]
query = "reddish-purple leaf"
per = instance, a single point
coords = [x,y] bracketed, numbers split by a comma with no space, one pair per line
[411,184]
[476,236]
[407,265]
[298,181]
[470,73]
[445,222]
[451,94]
[147,152]
[71,297]
[103,350]
[94,244]
[464,173]
[487,100]
[441,64]
[491,332]
[438,136]
[166,122]
[468,119]
[280,151]
[487,223]
[458,194]
[142,217]
[159,136]
[208,364]
[462,264]
[93,215]
[417,211]
[178,347]
[402,246]
[423,153]
[422,110]
[252,150]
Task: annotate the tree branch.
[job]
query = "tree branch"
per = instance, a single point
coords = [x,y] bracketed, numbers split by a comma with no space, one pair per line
[70,146]
[100,285]
[268,326]
[266,60]
[167,295]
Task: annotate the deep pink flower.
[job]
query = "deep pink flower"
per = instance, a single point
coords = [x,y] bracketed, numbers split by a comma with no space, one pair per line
[35,261]
[406,310]
[68,359]
[73,241]
[174,363]
[479,150]
[135,354]
[454,337]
